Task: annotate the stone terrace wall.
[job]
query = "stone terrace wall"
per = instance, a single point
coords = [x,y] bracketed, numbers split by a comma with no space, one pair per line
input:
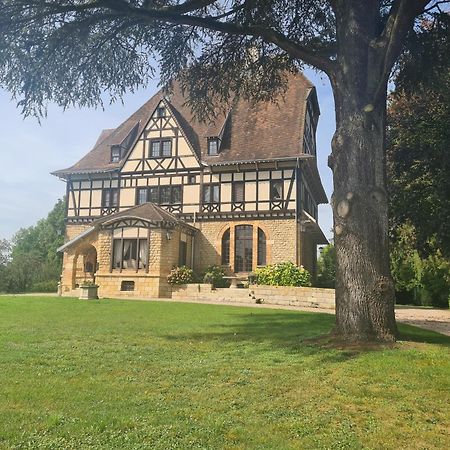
[270,295]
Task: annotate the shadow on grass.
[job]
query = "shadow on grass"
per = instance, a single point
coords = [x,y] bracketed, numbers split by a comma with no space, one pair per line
[415,334]
[298,333]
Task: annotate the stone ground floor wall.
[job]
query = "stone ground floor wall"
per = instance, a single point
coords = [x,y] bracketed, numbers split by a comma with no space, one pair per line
[145,286]
[281,245]
[271,295]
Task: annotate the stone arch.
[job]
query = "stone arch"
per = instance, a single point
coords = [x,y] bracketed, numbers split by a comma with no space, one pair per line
[232,226]
[84,265]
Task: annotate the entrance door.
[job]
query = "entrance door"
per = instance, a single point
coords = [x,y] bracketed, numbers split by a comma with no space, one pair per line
[243,248]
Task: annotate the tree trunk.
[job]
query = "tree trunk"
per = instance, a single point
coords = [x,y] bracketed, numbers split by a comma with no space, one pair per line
[364,287]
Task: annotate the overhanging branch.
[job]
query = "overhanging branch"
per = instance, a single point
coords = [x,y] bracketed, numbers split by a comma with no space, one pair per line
[176,16]
[400,21]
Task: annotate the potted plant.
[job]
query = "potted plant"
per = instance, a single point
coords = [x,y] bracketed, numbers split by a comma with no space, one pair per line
[88,290]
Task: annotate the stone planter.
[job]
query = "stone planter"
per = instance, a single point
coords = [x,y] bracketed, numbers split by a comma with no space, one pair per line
[89,292]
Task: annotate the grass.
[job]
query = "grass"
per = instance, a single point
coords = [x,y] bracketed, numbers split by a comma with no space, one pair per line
[156,375]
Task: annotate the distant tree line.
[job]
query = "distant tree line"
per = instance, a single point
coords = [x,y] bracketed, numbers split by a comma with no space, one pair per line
[30,261]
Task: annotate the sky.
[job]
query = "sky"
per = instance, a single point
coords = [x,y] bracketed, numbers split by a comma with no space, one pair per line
[30,151]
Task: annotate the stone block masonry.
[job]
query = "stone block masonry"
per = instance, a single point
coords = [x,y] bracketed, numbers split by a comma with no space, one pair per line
[270,295]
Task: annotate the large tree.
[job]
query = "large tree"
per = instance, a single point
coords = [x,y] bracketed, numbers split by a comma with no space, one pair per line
[69,51]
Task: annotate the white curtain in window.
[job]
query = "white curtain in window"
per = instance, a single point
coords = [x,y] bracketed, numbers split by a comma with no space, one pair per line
[126,253]
[117,254]
[142,253]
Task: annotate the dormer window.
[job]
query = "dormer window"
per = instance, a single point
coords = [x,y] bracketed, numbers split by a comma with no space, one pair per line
[213,146]
[160,112]
[115,153]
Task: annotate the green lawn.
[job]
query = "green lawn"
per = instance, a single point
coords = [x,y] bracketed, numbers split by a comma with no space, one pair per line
[133,375]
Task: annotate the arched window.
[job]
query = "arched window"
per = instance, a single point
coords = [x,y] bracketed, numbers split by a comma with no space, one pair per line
[261,247]
[243,248]
[226,247]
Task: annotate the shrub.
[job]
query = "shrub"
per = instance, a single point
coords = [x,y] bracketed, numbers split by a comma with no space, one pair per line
[436,281]
[215,275]
[180,275]
[326,267]
[283,274]
[45,286]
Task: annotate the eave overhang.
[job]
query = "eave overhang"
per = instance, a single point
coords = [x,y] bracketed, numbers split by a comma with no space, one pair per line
[65,174]
[301,157]
[76,239]
[310,226]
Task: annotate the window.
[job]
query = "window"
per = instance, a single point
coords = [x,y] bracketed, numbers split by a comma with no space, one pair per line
[226,248]
[166,148]
[164,194]
[110,197]
[191,179]
[276,190]
[238,191]
[243,248]
[261,247]
[213,146]
[176,194]
[129,253]
[161,194]
[160,148]
[182,257]
[127,286]
[153,194]
[160,112]
[115,153]
[154,149]
[211,193]
[245,237]
[141,196]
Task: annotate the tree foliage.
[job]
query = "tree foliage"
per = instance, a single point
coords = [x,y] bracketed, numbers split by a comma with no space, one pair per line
[419,280]
[418,137]
[33,254]
[80,49]
[326,267]
[406,264]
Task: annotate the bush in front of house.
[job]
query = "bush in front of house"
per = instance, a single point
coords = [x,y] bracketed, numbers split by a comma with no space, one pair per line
[215,275]
[283,274]
[180,275]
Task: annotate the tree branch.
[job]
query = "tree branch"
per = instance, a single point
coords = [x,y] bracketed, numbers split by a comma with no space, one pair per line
[189,6]
[173,15]
[400,21]
[269,35]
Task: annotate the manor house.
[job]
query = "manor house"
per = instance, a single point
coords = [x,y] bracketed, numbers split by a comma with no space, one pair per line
[164,190]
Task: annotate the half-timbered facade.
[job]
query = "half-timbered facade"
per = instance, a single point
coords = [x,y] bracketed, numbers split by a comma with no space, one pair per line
[164,189]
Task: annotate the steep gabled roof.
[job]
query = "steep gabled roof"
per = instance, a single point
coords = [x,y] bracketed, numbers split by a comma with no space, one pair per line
[99,158]
[251,131]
